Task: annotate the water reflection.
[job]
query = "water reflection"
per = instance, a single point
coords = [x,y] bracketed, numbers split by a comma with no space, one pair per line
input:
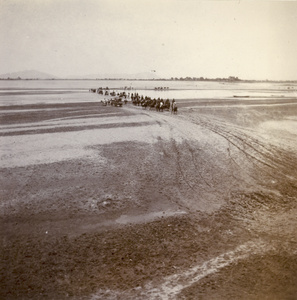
[174,89]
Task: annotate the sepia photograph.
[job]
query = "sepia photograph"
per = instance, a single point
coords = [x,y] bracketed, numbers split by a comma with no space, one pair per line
[148,149]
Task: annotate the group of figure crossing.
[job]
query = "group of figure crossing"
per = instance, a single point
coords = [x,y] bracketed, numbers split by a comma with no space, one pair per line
[157,104]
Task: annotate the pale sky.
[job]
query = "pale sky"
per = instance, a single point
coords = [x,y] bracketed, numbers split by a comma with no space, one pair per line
[177,38]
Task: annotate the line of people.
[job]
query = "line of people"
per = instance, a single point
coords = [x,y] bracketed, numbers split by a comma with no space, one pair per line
[157,104]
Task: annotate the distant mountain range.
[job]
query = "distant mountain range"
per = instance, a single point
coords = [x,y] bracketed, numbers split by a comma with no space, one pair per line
[33,74]
[29,74]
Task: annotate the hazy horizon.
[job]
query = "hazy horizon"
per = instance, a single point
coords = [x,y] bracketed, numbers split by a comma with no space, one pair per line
[252,40]
[123,77]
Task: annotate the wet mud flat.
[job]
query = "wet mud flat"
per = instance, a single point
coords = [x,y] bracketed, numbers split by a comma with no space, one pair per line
[125,203]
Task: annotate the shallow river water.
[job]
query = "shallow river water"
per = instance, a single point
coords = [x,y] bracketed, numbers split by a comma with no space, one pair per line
[12,91]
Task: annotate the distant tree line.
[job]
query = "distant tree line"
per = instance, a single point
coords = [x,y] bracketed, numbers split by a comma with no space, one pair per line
[230,78]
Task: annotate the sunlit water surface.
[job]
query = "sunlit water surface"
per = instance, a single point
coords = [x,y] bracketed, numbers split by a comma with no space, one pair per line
[14,92]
